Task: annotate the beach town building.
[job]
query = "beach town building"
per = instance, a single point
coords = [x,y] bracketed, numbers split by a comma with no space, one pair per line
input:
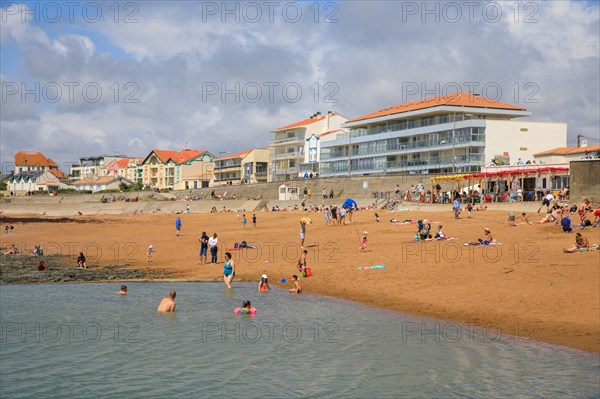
[101,183]
[89,167]
[566,154]
[244,167]
[296,148]
[177,170]
[129,168]
[456,133]
[34,172]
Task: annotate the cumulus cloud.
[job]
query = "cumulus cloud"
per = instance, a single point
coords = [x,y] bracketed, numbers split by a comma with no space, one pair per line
[180,72]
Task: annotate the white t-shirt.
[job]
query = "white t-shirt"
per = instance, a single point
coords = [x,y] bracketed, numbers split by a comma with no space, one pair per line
[212,241]
[550,197]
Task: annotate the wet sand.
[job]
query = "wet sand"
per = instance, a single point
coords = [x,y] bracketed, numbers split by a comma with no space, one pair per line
[525,287]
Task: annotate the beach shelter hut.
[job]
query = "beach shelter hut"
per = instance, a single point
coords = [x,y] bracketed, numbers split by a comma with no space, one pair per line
[289,192]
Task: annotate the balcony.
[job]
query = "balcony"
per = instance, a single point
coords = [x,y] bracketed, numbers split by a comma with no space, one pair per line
[288,155]
[287,140]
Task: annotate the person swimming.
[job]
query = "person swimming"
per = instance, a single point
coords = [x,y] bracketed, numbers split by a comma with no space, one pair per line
[123,290]
[246,307]
[168,303]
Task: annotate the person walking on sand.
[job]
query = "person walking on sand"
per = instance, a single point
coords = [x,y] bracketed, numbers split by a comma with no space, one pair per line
[203,247]
[546,202]
[214,248]
[168,303]
[178,225]
[149,253]
[363,242]
[228,270]
[254,219]
[456,208]
[244,221]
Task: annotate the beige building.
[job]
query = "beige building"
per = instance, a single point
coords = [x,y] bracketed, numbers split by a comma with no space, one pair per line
[295,148]
[126,168]
[244,167]
[178,170]
[34,172]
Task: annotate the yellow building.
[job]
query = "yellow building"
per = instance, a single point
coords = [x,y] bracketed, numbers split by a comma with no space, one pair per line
[244,167]
[186,169]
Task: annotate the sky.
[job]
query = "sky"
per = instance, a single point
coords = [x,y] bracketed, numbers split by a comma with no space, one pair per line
[83,78]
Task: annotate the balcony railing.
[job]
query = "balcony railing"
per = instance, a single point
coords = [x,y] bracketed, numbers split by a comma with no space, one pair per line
[414,145]
[424,163]
[287,155]
[287,140]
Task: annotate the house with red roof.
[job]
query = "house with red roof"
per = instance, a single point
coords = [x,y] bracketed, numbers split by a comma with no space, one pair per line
[93,166]
[244,167]
[295,147]
[127,168]
[567,154]
[34,172]
[455,133]
[177,170]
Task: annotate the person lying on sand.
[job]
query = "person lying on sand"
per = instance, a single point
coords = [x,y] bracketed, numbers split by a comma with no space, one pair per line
[12,250]
[551,217]
[582,244]
[167,304]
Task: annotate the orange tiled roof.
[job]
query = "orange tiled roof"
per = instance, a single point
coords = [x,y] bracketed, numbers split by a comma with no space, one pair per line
[58,173]
[31,158]
[185,155]
[123,162]
[51,163]
[456,99]
[304,122]
[568,150]
[164,155]
[237,154]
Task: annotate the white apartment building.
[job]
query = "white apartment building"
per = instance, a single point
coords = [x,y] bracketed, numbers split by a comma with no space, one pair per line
[296,148]
[91,167]
[455,133]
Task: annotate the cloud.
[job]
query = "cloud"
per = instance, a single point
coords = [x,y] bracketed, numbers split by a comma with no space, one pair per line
[157,77]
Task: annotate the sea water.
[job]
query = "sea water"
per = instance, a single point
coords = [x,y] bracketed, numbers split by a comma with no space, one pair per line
[86,341]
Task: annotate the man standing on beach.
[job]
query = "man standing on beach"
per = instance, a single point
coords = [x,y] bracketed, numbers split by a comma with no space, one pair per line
[178,225]
[303,223]
[167,304]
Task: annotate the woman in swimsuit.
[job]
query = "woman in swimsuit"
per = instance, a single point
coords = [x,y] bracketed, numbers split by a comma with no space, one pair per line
[228,270]
[263,285]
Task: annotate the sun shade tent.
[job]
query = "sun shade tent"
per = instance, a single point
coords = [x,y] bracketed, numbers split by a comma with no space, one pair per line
[350,203]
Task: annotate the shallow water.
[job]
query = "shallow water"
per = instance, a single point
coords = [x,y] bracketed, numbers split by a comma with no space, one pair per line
[85,340]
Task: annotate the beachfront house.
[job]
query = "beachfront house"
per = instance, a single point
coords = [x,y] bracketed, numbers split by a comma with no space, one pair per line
[90,167]
[566,154]
[244,167]
[456,133]
[177,170]
[34,172]
[102,183]
[125,167]
[295,148]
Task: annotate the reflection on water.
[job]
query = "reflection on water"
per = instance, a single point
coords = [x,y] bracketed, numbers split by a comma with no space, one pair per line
[86,341]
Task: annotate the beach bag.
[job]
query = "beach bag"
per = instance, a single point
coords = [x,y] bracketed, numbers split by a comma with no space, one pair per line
[308,272]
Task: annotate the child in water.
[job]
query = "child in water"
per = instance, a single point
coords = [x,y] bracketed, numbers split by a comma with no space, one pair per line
[263,285]
[246,307]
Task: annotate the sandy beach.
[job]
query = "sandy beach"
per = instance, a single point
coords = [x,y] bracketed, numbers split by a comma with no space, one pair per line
[525,287]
